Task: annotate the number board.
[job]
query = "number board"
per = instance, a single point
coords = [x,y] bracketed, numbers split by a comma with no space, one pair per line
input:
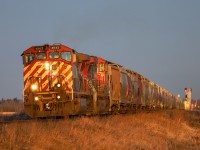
[55,47]
[38,48]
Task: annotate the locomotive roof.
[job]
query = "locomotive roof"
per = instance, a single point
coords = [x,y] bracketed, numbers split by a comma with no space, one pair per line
[30,49]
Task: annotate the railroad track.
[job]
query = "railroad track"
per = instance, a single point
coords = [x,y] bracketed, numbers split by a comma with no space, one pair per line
[21,117]
[6,117]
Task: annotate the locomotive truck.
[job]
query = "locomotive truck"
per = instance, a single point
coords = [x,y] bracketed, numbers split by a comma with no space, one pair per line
[59,81]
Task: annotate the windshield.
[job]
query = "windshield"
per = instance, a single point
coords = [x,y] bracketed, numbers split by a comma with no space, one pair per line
[29,58]
[53,55]
[66,56]
[41,55]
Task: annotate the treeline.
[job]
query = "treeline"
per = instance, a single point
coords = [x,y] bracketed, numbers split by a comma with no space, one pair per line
[11,105]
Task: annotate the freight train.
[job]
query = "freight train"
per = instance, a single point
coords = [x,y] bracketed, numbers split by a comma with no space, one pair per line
[59,81]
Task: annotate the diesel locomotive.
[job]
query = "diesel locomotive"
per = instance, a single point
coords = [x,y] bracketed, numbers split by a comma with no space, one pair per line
[59,81]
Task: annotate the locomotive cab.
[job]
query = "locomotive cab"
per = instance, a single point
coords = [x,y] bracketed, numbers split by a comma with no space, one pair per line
[48,80]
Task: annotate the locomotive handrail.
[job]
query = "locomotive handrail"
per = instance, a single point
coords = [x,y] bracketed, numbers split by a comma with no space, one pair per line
[65,79]
[29,79]
[32,77]
[26,84]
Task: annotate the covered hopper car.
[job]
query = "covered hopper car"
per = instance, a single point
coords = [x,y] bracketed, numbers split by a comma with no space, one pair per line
[59,81]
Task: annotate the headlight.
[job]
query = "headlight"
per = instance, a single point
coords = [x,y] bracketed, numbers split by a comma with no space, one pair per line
[47,106]
[47,66]
[58,85]
[58,96]
[36,98]
[34,87]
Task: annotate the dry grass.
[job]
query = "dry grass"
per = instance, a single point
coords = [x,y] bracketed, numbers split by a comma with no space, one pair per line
[160,130]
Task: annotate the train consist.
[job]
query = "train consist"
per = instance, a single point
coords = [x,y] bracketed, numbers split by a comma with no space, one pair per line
[59,81]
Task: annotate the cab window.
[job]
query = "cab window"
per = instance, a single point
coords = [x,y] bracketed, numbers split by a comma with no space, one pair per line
[101,67]
[41,55]
[53,55]
[66,56]
[29,58]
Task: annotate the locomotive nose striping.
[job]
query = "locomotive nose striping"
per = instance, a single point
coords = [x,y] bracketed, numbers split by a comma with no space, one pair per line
[38,69]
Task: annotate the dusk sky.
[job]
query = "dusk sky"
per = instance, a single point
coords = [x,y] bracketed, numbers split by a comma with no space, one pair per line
[160,39]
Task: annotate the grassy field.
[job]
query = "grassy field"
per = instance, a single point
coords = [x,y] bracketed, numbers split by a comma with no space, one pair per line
[158,130]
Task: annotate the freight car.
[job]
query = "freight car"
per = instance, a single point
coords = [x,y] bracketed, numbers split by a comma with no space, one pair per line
[59,81]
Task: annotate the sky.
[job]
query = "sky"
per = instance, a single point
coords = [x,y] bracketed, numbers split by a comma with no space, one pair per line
[160,39]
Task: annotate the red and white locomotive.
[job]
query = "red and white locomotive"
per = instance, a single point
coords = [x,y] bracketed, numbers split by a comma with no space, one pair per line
[59,81]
